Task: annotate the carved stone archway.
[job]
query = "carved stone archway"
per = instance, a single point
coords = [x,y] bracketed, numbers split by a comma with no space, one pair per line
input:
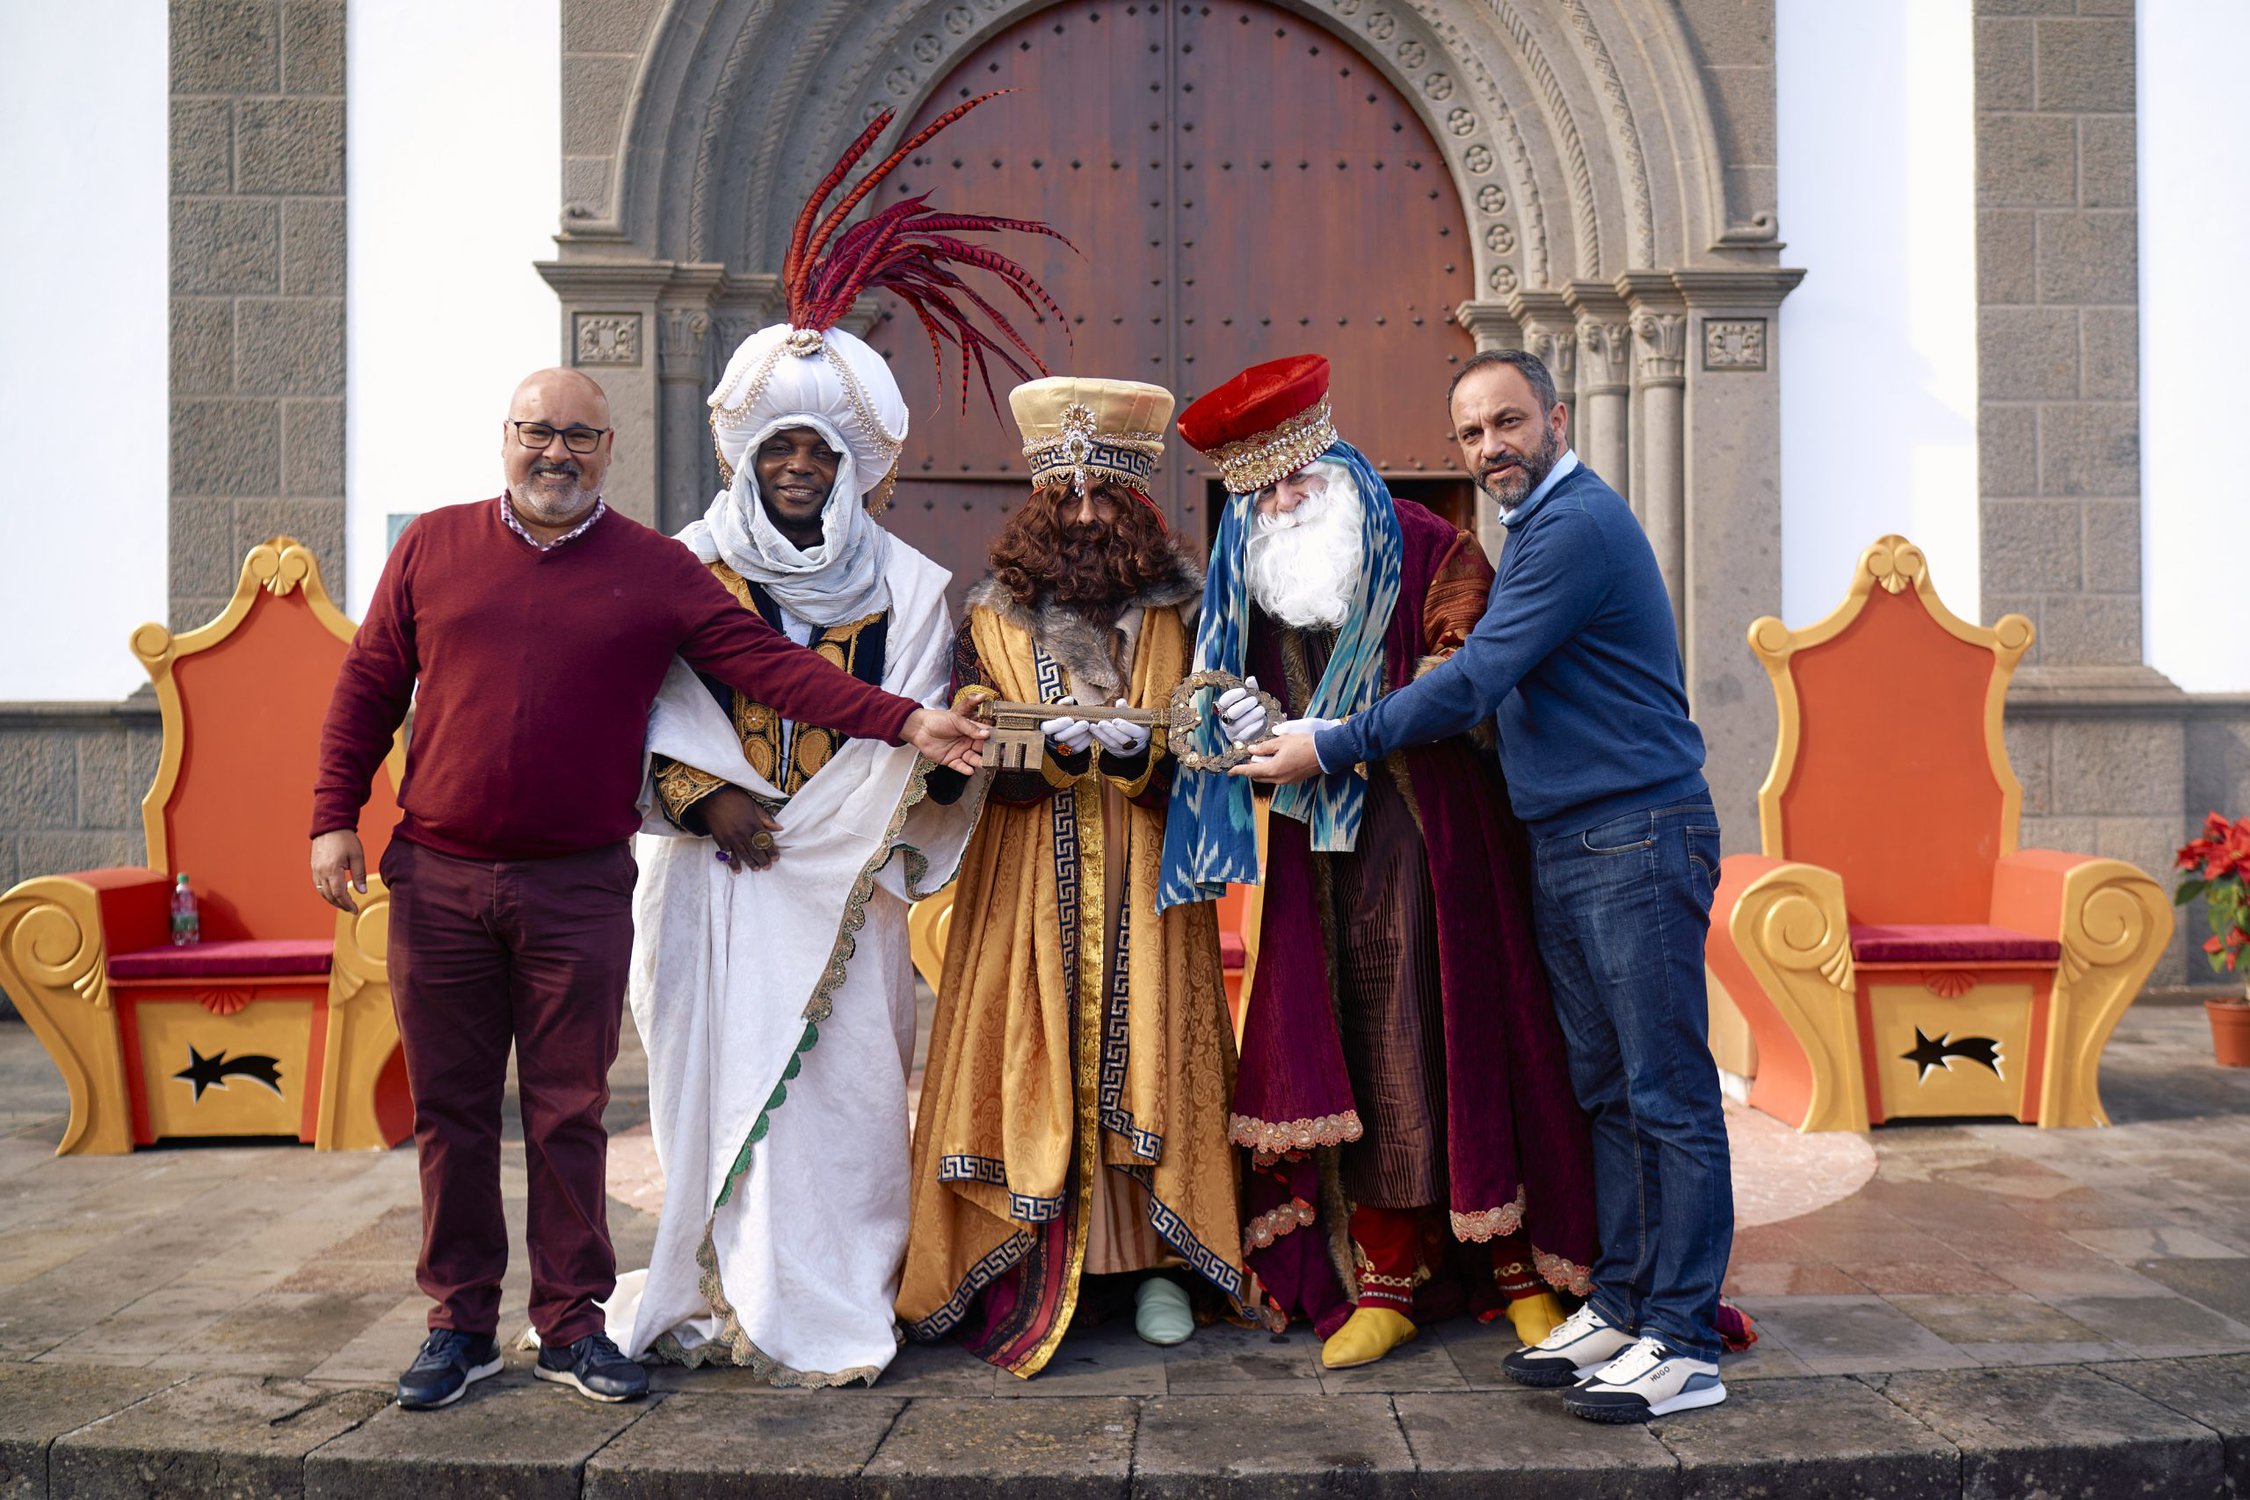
[1614,157]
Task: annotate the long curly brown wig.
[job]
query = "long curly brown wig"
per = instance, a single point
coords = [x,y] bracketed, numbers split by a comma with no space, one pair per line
[1091,567]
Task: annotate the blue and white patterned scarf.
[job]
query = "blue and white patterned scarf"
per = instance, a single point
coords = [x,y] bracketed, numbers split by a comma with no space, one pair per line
[1210,840]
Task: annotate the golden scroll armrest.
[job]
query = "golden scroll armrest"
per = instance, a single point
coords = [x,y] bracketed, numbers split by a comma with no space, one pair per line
[363,1100]
[1781,947]
[2112,922]
[57,933]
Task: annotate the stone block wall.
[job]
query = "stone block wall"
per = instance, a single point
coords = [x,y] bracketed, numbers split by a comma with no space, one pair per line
[257,251]
[72,776]
[2057,326]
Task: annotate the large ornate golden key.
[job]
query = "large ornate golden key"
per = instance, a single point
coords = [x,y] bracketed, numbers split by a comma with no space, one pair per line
[1017,744]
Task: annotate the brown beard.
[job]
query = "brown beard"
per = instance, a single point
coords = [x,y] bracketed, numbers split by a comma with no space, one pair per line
[1091,568]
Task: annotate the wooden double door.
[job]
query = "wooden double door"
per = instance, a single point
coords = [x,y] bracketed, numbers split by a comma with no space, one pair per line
[1241,185]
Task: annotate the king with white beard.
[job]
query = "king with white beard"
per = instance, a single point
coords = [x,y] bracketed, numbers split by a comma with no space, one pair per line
[1410,1145]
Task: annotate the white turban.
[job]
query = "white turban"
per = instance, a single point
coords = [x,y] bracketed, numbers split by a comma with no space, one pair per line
[839,387]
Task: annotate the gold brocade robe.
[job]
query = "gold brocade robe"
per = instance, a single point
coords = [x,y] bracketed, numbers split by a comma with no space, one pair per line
[1049,1061]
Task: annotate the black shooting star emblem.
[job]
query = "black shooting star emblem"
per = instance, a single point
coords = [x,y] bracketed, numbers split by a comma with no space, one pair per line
[214,1071]
[1940,1051]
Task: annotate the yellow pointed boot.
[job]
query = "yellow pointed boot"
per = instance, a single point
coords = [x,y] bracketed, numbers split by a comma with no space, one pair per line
[1535,1317]
[1367,1335]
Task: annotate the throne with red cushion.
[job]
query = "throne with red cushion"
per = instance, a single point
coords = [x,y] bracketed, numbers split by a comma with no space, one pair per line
[278,1023]
[1891,951]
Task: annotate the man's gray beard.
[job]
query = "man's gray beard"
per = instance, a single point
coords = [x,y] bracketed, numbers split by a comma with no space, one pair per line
[1549,454]
[543,505]
[1305,575]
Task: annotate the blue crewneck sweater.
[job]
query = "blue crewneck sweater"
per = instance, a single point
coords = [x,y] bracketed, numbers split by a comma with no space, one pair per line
[1577,660]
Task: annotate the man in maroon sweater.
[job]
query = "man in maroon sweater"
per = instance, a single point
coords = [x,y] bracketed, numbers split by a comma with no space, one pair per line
[538,627]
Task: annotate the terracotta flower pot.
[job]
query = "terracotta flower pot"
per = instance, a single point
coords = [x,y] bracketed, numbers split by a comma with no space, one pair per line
[2230,1030]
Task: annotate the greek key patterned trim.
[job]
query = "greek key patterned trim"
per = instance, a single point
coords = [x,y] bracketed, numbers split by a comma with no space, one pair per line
[1272,1139]
[1116,1048]
[1262,461]
[1024,1208]
[1208,1263]
[1265,1228]
[996,1264]
[1064,811]
[1490,1223]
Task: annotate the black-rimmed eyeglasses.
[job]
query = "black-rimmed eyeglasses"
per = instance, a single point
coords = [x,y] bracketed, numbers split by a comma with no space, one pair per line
[577,439]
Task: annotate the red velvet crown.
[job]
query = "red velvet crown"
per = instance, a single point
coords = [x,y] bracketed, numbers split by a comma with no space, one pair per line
[1265,424]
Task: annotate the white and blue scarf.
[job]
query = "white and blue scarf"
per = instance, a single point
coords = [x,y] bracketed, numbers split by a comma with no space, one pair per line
[1209,834]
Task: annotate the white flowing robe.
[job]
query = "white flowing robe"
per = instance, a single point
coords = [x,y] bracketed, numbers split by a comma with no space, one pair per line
[777,1008]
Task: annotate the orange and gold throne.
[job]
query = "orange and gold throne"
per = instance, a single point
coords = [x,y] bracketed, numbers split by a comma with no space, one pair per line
[278,1024]
[1891,951]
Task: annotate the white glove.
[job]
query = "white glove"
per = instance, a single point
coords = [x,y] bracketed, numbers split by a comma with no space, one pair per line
[1069,735]
[1241,714]
[1305,726]
[1121,737]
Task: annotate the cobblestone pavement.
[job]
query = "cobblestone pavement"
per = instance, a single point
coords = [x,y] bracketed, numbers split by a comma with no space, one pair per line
[1961,1289]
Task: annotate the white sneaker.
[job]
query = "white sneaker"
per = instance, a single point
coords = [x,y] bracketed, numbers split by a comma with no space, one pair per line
[1581,1344]
[1648,1380]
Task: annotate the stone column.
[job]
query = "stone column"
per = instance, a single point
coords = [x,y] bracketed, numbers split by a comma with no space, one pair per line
[1660,382]
[1732,571]
[1493,325]
[1604,382]
[1550,330]
[609,330]
[257,258]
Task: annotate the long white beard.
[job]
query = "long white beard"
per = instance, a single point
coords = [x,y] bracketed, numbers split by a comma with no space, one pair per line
[1303,568]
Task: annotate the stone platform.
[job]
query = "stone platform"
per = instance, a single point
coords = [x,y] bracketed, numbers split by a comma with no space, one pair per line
[1979,1310]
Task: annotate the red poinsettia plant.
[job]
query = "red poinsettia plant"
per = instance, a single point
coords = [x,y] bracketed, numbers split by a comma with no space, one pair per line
[2221,864]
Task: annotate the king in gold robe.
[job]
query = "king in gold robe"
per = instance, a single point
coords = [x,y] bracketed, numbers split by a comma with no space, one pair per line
[1073,1117]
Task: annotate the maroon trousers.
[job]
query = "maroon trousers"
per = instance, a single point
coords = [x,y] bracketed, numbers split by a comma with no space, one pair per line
[483,955]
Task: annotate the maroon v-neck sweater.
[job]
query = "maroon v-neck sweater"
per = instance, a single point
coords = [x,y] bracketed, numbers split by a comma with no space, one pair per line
[537,670]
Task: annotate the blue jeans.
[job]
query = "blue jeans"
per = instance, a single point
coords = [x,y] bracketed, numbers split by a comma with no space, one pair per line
[1623,910]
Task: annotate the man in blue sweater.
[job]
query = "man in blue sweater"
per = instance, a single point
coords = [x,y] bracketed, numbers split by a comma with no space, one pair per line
[1577,662]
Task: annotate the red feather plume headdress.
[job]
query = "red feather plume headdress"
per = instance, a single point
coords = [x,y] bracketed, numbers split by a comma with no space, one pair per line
[911,251]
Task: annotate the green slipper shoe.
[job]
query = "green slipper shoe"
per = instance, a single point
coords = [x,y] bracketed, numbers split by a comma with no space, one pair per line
[1161,1313]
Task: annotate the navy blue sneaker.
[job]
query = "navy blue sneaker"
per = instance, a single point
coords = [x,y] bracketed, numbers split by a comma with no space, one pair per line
[449,1364]
[594,1367]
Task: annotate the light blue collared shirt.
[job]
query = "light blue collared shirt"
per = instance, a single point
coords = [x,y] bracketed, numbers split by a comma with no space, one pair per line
[1555,476]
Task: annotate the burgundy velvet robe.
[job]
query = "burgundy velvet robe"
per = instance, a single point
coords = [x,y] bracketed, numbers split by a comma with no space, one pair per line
[1516,1142]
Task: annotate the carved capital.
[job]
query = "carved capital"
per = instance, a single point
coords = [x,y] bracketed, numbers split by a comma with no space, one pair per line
[1492,324]
[1662,340]
[1607,357]
[681,335]
[1559,352]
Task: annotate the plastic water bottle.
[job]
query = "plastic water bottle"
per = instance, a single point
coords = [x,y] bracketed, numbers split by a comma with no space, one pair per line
[187,926]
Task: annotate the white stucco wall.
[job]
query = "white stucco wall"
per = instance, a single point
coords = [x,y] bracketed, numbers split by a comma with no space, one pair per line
[453,154]
[2195,223]
[1877,190]
[84,358]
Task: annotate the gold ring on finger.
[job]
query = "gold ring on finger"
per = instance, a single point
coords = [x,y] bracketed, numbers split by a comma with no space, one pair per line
[761,841]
